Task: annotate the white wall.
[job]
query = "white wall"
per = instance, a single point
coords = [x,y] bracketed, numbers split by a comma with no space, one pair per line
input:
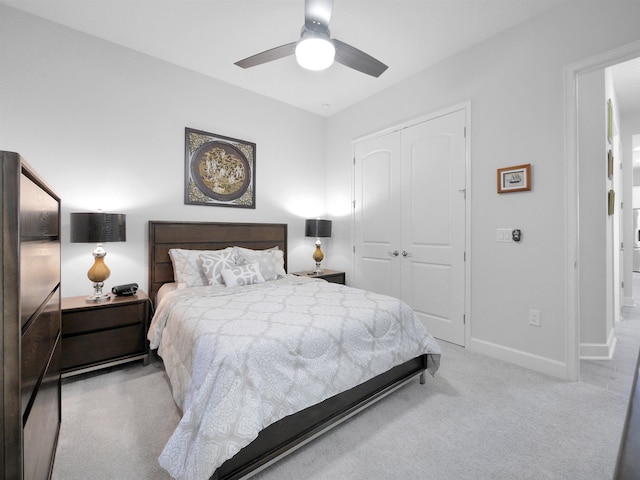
[105,127]
[515,84]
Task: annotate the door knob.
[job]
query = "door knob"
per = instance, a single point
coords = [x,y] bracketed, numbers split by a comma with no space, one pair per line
[395,253]
[405,253]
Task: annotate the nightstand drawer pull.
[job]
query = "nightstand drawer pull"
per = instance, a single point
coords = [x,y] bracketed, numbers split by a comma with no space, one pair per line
[395,253]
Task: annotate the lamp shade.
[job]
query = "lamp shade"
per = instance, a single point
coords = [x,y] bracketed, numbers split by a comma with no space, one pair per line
[317,228]
[98,227]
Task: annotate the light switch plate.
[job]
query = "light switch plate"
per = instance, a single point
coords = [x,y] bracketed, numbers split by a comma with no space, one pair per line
[503,235]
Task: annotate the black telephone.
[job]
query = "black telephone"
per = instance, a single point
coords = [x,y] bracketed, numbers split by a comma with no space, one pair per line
[124,290]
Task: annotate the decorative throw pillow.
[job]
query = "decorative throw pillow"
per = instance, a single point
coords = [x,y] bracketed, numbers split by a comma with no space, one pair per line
[242,275]
[187,267]
[213,262]
[271,261]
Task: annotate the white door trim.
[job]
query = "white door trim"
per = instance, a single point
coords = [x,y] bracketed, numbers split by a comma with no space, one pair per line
[409,123]
[572,307]
[466,106]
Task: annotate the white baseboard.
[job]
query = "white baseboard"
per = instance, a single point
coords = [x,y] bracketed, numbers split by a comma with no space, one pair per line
[540,364]
[599,351]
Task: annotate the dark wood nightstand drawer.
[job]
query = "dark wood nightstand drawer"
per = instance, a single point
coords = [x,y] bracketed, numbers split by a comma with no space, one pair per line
[333,276]
[91,348]
[108,316]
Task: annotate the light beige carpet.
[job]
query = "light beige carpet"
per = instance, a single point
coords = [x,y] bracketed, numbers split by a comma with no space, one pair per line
[478,418]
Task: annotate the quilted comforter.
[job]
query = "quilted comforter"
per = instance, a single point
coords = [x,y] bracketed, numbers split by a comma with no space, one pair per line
[242,358]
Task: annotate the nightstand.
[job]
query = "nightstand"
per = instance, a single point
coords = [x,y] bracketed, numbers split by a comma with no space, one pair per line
[332,276]
[100,335]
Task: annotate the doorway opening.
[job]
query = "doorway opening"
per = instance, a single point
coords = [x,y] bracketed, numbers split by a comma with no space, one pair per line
[609,284]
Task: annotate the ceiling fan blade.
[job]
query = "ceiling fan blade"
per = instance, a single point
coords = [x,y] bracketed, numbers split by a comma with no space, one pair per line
[268,55]
[358,60]
[317,12]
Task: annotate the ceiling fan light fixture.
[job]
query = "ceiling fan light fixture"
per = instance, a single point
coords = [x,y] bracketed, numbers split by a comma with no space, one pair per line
[315,49]
[315,53]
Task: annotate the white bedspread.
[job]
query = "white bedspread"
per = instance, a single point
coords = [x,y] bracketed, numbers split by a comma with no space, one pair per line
[242,358]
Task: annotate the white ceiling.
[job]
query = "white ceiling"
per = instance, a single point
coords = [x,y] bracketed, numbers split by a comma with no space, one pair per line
[208,36]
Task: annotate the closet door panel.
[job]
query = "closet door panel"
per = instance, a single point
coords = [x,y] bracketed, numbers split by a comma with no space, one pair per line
[433,228]
[427,204]
[377,224]
[433,298]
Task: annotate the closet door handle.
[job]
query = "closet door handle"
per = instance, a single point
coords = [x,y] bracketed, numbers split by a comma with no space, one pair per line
[395,253]
[405,254]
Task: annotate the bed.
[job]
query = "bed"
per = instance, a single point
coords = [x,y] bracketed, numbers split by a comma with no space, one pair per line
[290,429]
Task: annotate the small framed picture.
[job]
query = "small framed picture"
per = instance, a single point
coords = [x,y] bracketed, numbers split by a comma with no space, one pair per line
[514,179]
[612,202]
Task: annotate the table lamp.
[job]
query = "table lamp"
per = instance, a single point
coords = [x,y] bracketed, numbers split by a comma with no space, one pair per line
[98,228]
[317,228]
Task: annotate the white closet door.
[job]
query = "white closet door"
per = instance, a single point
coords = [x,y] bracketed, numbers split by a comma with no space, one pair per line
[377,222]
[433,224]
[409,220]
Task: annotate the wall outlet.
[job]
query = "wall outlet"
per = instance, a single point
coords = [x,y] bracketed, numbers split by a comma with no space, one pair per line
[534,318]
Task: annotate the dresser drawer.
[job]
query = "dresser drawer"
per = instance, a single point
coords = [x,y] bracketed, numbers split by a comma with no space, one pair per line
[39,274]
[109,316]
[41,429]
[37,344]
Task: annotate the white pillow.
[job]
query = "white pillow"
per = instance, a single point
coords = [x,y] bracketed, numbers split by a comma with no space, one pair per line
[213,262]
[242,275]
[186,270]
[271,261]
[187,267]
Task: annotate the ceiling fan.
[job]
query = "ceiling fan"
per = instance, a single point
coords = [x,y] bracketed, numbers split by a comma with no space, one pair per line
[316,50]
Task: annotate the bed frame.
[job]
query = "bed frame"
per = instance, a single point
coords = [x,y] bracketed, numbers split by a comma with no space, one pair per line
[294,431]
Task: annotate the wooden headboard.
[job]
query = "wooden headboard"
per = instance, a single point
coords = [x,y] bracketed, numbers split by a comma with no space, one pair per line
[205,236]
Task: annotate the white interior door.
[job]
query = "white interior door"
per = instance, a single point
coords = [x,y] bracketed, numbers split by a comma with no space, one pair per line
[409,220]
[433,224]
[376,220]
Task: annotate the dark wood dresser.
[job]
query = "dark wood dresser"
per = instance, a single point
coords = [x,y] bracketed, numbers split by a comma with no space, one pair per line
[31,319]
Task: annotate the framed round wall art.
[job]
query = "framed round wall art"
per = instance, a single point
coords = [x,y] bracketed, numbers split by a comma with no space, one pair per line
[219,170]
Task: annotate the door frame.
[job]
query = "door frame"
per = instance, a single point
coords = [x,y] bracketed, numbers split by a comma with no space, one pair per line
[572,200]
[466,107]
